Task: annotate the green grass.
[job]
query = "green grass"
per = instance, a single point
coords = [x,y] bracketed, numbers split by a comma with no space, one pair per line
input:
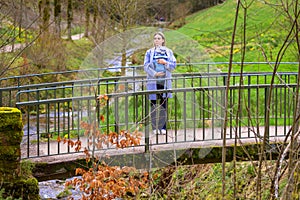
[266,28]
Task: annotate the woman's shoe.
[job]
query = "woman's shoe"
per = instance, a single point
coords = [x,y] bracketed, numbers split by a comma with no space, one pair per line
[163,131]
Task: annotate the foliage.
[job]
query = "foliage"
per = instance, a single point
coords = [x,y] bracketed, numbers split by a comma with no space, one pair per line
[10,32]
[64,193]
[100,181]
[7,198]
[109,182]
[204,181]
[26,168]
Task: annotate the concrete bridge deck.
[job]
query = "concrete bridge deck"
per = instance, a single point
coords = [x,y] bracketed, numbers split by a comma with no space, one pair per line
[173,140]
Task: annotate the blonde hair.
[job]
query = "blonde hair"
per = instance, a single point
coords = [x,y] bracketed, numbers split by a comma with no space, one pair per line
[163,37]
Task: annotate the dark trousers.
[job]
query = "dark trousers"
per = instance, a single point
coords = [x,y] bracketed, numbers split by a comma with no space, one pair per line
[159,111]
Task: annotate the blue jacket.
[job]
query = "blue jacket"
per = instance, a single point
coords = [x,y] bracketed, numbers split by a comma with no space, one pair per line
[149,69]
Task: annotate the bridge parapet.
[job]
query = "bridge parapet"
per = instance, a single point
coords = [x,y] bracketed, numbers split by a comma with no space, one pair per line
[196,113]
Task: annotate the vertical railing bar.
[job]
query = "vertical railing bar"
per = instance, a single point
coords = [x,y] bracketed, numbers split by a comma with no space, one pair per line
[78,118]
[116,100]
[291,106]
[136,110]
[73,112]
[58,127]
[280,100]
[117,129]
[55,113]
[135,104]
[184,112]
[175,117]
[285,110]
[266,100]
[257,111]
[240,121]
[167,120]
[10,101]
[68,126]
[276,109]
[249,107]
[231,112]
[48,126]
[126,107]
[1,102]
[194,115]
[143,103]
[156,115]
[81,111]
[147,124]
[213,107]
[201,105]
[214,100]
[203,112]
[38,124]
[257,106]
[107,113]
[64,110]
[89,115]
[234,127]
[38,129]
[28,131]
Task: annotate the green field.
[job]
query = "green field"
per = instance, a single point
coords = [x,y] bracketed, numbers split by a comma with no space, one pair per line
[265,31]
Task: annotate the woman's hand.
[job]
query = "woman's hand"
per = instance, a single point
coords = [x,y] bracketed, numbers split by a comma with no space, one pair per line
[159,74]
[161,61]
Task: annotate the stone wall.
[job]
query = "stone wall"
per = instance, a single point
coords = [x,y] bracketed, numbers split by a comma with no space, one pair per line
[13,182]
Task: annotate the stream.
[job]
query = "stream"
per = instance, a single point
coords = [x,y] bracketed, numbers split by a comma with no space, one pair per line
[52,188]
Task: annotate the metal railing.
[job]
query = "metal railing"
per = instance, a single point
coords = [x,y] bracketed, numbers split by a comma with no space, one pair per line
[10,86]
[195,113]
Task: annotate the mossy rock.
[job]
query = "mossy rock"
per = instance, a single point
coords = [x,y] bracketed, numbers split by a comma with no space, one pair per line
[11,133]
[11,137]
[10,118]
[10,153]
[24,188]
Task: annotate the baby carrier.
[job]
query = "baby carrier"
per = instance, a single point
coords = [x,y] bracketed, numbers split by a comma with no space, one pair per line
[160,53]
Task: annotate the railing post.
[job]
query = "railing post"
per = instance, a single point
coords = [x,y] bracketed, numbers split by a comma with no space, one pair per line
[1,98]
[267,126]
[147,124]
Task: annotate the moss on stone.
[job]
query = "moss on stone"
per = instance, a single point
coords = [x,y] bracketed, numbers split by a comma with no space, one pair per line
[11,153]
[22,187]
[10,117]
[11,133]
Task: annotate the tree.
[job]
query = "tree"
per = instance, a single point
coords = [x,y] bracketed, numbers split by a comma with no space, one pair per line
[87,17]
[44,11]
[123,15]
[57,17]
[69,18]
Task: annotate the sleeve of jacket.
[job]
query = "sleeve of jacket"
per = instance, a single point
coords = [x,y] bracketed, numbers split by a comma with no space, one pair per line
[171,63]
[148,64]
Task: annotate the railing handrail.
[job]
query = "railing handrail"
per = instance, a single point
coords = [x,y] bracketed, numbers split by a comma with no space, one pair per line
[117,78]
[146,92]
[133,67]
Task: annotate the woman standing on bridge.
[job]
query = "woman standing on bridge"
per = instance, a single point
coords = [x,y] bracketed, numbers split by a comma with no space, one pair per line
[159,62]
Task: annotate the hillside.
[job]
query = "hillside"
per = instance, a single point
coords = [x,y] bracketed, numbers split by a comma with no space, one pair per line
[266,28]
